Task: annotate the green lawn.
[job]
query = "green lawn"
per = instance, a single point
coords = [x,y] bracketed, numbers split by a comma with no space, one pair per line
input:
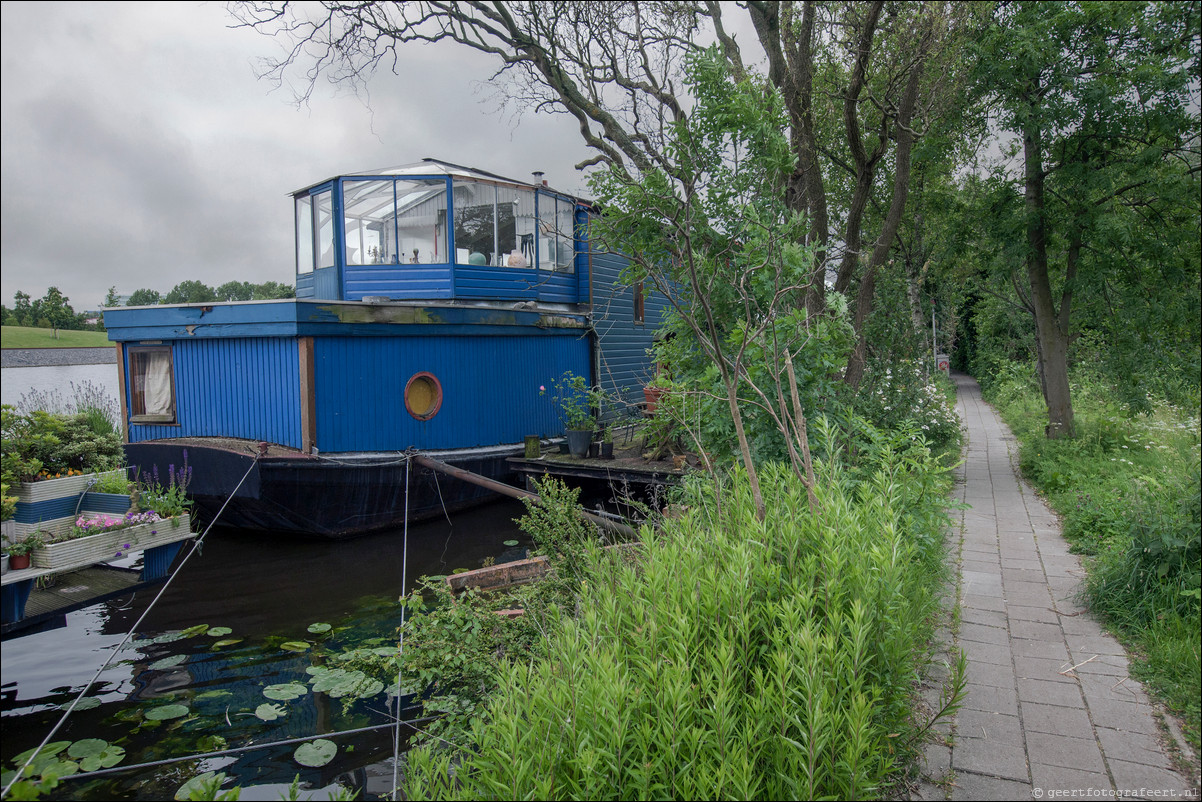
[23,337]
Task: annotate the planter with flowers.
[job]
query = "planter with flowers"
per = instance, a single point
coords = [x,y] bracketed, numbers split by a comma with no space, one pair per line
[101,537]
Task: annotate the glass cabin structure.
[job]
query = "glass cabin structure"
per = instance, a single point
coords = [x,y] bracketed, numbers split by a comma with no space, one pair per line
[435,230]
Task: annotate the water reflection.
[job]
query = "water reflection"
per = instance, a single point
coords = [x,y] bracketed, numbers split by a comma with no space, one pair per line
[267,591]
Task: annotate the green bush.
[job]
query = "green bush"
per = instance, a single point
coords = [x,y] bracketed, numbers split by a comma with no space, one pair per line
[41,445]
[736,658]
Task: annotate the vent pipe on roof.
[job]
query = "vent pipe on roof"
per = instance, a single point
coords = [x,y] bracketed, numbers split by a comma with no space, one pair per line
[538,177]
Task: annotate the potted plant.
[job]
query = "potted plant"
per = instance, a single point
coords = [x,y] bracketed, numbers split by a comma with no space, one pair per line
[101,537]
[575,399]
[19,551]
[607,442]
[653,392]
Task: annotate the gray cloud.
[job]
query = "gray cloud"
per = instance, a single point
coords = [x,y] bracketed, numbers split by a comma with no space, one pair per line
[139,149]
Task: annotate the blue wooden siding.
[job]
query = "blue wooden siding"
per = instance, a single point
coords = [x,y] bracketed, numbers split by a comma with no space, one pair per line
[490,389]
[622,344]
[398,281]
[239,387]
[508,283]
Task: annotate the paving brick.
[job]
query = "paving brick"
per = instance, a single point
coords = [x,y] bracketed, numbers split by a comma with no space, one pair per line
[1092,644]
[1056,720]
[1046,779]
[997,653]
[1029,594]
[1080,625]
[1138,777]
[977,786]
[986,757]
[936,761]
[1134,747]
[1101,665]
[1125,716]
[989,698]
[1099,688]
[992,727]
[1022,564]
[1049,693]
[989,618]
[1070,753]
[1042,668]
[980,602]
[1035,648]
[981,633]
[1035,630]
[1044,615]
[927,792]
[1022,575]
[991,674]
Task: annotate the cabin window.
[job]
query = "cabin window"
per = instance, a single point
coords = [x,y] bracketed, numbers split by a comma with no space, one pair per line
[556,233]
[476,224]
[423,396]
[323,204]
[304,235]
[151,385]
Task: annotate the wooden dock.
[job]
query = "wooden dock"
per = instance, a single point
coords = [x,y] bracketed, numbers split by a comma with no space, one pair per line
[73,591]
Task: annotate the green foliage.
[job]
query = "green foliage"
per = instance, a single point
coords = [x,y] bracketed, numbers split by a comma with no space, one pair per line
[736,658]
[578,403]
[901,398]
[44,445]
[168,496]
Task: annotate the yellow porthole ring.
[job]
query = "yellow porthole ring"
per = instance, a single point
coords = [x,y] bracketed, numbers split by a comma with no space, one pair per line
[423,396]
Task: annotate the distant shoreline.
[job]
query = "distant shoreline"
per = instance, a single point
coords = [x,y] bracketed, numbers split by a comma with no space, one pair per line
[44,357]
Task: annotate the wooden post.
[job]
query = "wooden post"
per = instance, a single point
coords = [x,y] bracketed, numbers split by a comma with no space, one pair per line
[122,400]
[308,406]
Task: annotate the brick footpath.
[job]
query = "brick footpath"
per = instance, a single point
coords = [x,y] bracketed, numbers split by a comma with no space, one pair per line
[1050,711]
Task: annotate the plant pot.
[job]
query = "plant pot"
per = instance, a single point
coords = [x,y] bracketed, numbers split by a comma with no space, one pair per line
[18,562]
[51,505]
[652,395]
[105,546]
[4,564]
[563,447]
[579,441]
[607,450]
[594,449]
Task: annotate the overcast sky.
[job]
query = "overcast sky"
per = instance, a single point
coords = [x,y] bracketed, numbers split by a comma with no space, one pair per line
[140,150]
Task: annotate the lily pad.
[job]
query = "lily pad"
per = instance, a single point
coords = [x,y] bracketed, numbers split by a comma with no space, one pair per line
[111,756]
[166,712]
[318,629]
[168,662]
[285,691]
[270,712]
[49,750]
[315,753]
[217,632]
[510,543]
[168,637]
[226,642]
[295,646]
[192,632]
[86,703]
[88,747]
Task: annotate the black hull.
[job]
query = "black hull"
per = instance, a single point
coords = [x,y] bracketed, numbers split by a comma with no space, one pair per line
[326,497]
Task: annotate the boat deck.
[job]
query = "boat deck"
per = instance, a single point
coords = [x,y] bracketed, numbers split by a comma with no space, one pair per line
[72,591]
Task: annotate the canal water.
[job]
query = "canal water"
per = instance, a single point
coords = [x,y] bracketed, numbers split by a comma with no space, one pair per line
[274,595]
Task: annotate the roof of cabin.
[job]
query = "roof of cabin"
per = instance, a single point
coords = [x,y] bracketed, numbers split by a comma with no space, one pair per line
[431,166]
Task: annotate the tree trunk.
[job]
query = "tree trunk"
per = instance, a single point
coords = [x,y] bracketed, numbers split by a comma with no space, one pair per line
[1053,337]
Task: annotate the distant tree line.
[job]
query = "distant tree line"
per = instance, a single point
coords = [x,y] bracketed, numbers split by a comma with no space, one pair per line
[53,310]
[197,292]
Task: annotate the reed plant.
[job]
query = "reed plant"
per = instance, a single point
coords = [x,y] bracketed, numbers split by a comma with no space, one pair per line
[739,657]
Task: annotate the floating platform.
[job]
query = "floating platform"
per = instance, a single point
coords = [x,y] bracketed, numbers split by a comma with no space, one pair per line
[46,607]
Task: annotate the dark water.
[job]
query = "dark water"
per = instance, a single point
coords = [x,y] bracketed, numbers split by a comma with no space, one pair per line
[267,591]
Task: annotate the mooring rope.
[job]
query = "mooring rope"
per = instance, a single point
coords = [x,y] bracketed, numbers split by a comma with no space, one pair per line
[195,547]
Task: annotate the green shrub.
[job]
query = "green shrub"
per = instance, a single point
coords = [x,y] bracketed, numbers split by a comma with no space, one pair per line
[736,658]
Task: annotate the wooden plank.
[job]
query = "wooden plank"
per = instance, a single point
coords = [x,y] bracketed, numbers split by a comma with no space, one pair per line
[308,398]
[121,392]
[80,589]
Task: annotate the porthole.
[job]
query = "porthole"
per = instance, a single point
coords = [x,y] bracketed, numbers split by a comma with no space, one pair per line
[423,396]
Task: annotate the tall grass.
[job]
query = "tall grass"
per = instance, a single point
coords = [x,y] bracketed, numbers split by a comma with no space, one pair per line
[738,658]
[1127,489]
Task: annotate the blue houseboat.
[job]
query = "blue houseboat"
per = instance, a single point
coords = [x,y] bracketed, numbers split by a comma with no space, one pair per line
[433,303]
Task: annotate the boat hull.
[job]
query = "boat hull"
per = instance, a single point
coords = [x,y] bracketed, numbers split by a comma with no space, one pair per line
[327,496]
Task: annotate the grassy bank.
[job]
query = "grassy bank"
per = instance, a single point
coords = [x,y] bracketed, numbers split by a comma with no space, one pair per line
[24,337]
[1127,489]
[734,658]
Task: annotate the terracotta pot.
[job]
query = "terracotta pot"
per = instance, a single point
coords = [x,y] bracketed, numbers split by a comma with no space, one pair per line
[18,562]
[652,395]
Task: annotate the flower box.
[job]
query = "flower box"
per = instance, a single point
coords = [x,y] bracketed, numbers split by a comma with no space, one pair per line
[106,546]
[51,505]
